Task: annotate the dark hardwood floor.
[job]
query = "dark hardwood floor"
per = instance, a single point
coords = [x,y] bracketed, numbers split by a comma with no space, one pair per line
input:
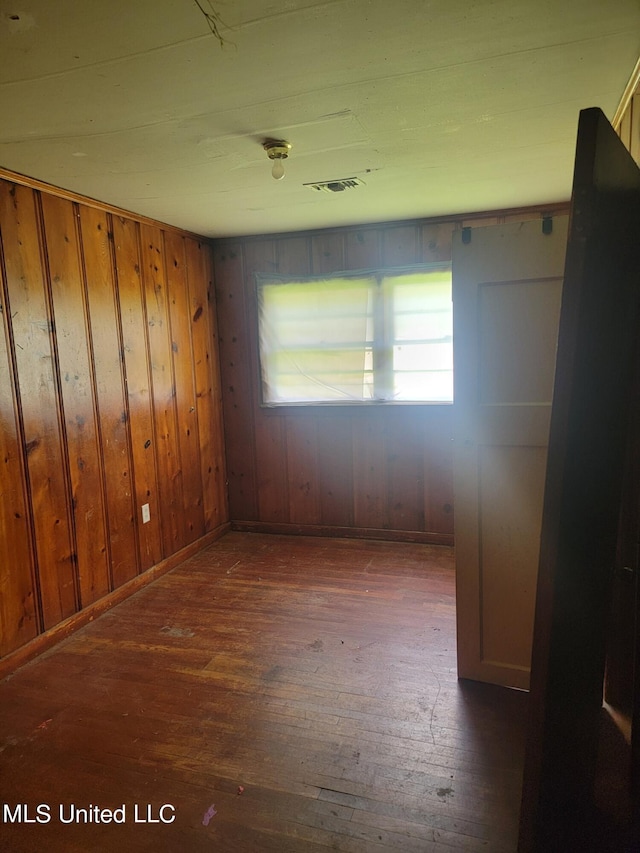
[302,689]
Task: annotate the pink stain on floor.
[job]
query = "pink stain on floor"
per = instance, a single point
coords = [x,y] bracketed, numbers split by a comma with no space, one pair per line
[210,812]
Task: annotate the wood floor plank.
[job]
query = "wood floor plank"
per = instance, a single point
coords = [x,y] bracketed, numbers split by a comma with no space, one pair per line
[303,689]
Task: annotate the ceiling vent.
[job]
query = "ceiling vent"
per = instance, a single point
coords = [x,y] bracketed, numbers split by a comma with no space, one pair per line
[336,186]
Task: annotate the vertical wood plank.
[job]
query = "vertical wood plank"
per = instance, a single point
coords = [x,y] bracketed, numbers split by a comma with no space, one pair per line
[235,366]
[77,446]
[18,607]
[359,482]
[302,469]
[208,390]
[269,430]
[292,255]
[96,240]
[134,338]
[401,245]
[624,131]
[370,490]
[271,458]
[362,249]
[436,239]
[76,381]
[170,475]
[335,464]
[219,513]
[405,472]
[179,308]
[634,144]
[327,253]
[32,329]
[437,454]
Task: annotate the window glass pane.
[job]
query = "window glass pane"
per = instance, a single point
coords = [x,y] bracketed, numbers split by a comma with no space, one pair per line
[414,387]
[421,325]
[321,340]
[422,305]
[315,340]
[430,356]
[421,311]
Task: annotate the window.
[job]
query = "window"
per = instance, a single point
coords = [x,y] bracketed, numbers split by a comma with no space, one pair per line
[355,338]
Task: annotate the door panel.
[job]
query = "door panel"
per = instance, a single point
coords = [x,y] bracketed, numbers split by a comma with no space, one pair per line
[516,318]
[597,351]
[511,490]
[507,285]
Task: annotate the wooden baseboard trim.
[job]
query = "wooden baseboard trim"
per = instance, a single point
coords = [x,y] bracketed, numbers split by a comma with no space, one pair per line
[417,536]
[55,635]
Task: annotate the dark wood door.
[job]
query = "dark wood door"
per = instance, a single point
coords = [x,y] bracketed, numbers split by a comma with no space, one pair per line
[622,672]
[623,628]
[583,493]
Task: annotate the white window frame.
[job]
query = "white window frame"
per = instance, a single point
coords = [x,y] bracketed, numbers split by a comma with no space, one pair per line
[381,346]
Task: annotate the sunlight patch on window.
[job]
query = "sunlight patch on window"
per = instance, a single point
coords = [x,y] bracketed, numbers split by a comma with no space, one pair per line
[374,337]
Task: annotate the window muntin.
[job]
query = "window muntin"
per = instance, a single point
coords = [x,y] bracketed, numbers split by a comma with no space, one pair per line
[365,337]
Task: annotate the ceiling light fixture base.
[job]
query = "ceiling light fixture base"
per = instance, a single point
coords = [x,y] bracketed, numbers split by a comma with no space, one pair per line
[277,150]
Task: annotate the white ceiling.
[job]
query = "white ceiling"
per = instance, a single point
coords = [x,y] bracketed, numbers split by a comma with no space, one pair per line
[438,106]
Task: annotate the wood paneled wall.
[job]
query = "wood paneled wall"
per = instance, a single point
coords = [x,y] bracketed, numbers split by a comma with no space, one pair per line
[379,470]
[629,127]
[109,399]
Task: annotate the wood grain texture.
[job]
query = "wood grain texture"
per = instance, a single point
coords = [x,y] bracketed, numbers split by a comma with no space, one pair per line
[139,389]
[292,256]
[44,449]
[328,467]
[370,472]
[335,465]
[591,416]
[337,530]
[401,245]
[405,473]
[99,405]
[386,469]
[272,475]
[629,128]
[268,424]
[236,379]
[318,675]
[362,249]
[327,253]
[185,395]
[208,389]
[168,457]
[438,472]
[77,396]
[302,468]
[110,392]
[436,241]
[28,652]
[18,592]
